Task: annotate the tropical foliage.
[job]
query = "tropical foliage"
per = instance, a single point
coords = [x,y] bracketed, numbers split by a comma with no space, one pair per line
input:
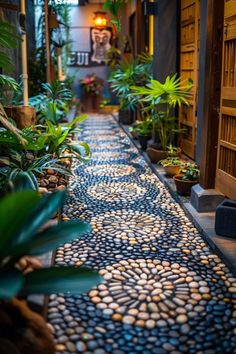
[16,164]
[91,84]
[22,216]
[137,73]
[159,101]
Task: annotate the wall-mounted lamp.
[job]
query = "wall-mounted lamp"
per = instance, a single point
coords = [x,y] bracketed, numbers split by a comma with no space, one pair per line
[100,20]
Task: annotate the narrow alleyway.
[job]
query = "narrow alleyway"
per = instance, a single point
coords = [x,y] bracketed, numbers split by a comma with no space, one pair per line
[164,291]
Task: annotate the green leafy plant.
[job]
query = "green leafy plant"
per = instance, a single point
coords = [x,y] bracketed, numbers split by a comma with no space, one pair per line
[190,172]
[127,75]
[52,113]
[142,127]
[22,216]
[59,143]
[57,92]
[159,100]
[171,161]
[20,163]
[114,6]
[113,57]
[9,39]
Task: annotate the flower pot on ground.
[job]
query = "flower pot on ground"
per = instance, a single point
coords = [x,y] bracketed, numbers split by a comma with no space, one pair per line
[24,116]
[143,130]
[92,93]
[172,166]
[159,101]
[143,140]
[156,155]
[126,116]
[188,177]
[123,78]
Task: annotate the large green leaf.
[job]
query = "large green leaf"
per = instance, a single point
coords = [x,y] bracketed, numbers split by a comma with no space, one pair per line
[51,238]
[60,280]
[11,281]
[46,207]
[14,211]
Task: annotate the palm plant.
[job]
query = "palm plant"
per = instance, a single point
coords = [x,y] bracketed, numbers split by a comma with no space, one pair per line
[159,100]
[22,216]
[136,73]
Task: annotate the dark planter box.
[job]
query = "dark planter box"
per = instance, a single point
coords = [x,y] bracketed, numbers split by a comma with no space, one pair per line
[225,223]
[126,116]
[143,139]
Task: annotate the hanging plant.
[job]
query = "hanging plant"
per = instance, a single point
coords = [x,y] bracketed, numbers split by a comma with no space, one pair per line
[114,6]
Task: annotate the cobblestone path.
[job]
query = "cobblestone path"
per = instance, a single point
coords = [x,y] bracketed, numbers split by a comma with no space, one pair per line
[164,290]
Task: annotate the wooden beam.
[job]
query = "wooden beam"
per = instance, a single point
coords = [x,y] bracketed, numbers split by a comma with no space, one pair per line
[211,37]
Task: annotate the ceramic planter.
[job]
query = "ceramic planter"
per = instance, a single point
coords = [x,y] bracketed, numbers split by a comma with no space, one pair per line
[156,155]
[172,170]
[143,139]
[183,187]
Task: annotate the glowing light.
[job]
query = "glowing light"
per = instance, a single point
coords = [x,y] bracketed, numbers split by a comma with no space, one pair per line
[100,20]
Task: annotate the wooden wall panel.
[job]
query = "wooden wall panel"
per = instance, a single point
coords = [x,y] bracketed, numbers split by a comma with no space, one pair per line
[189,52]
[226,161]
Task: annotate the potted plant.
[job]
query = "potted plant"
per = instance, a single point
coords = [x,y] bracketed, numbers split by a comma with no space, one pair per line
[9,88]
[143,130]
[188,177]
[171,165]
[160,100]
[23,219]
[127,75]
[91,94]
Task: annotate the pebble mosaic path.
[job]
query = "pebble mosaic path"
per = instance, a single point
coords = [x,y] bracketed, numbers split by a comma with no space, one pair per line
[164,291]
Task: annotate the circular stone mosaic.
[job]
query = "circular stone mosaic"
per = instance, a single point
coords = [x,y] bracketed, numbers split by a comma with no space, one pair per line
[150,292]
[115,192]
[129,225]
[110,155]
[111,170]
[102,137]
[100,132]
[99,146]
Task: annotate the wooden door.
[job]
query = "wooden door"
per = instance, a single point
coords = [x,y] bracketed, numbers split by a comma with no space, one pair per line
[189,53]
[226,160]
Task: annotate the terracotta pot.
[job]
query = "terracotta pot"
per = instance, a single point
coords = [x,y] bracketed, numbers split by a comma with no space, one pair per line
[23,116]
[156,155]
[90,102]
[183,187]
[143,139]
[172,170]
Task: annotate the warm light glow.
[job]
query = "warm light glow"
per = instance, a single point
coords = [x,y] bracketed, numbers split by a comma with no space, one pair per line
[100,20]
